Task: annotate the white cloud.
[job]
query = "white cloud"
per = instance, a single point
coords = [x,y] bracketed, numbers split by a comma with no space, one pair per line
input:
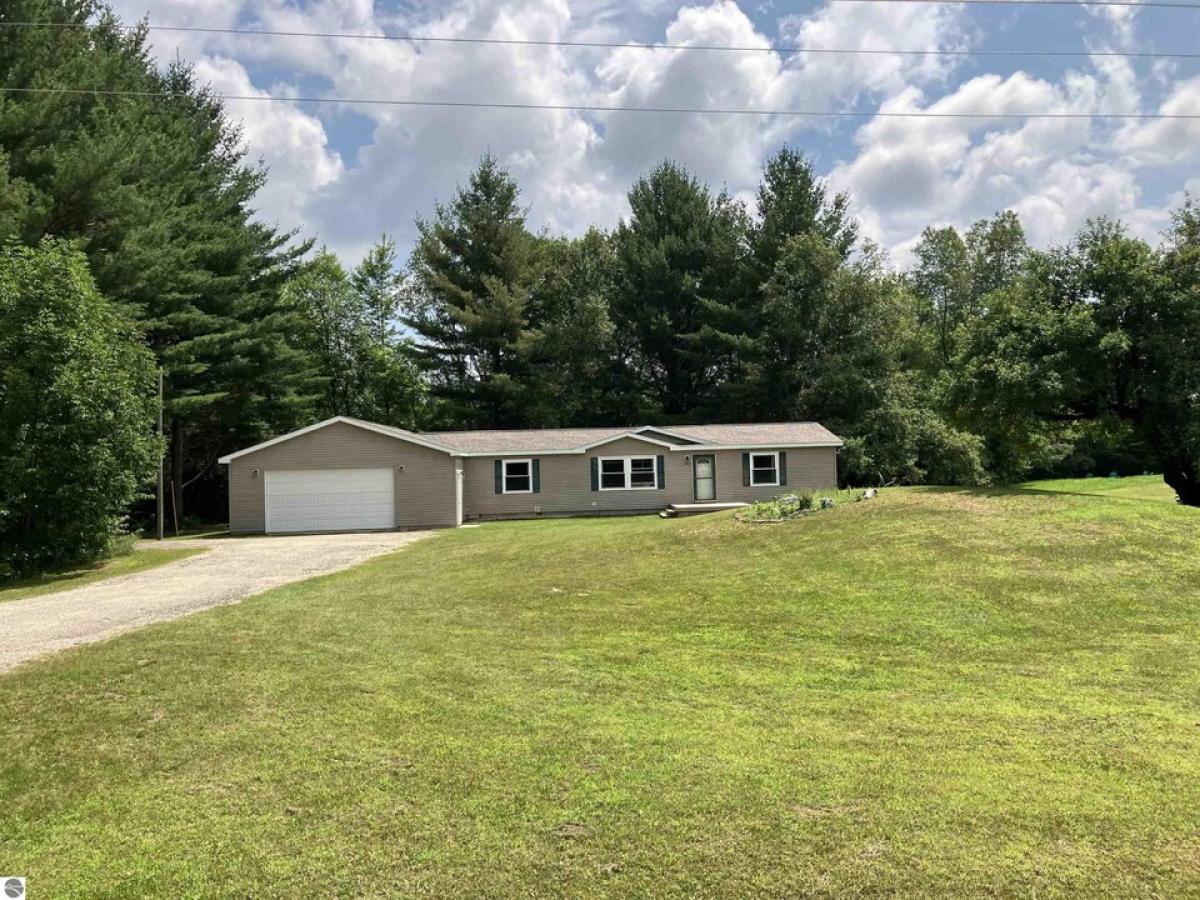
[291,143]
[1160,142]
[575,168]
[1055,173]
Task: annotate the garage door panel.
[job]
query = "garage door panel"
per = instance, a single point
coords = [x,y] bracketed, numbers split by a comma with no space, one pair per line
[329,500]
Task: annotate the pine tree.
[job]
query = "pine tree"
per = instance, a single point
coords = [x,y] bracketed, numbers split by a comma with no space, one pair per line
[793,200]
[475,270]
[155,190]
[680,272]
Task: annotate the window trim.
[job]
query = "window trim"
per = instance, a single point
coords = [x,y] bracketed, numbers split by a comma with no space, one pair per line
[775,483]
[504,463]
[627,472]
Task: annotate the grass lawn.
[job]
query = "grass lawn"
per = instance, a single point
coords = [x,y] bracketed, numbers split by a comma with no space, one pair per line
[945,692]
[77,576]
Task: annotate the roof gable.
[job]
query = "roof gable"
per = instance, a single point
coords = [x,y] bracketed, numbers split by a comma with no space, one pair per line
[386,430]
[642,436]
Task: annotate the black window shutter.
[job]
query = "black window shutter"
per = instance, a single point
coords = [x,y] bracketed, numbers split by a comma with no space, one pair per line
[537,476]
[662,481]
[499,476]
[782,467]
[745,470]
[595,474]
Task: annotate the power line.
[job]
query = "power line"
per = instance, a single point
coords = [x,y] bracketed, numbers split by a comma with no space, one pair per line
[1165,4]
[574,107]
[615,45]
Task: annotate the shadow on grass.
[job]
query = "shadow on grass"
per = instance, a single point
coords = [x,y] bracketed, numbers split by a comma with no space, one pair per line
[1025,490]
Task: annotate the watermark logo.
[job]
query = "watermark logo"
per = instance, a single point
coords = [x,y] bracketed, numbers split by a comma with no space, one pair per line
[14,887]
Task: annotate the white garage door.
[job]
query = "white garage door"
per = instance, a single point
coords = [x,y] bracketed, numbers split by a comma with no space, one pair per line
[329,500]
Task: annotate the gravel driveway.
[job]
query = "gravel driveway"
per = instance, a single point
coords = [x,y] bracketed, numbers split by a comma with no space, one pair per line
[230,570]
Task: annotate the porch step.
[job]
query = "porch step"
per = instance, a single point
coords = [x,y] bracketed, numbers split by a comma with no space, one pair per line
[675,510]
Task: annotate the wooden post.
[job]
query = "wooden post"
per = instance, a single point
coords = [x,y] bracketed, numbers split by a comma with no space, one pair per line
[158,518]
[174,508]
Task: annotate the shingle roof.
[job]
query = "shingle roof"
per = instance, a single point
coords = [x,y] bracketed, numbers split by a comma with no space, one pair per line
[759,434]
[519,441]
[545,439]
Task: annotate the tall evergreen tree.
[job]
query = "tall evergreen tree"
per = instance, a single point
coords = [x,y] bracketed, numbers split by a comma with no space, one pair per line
[680,276]
[579,372]
[156,191]
[792,203]
[793,200]
[474,273]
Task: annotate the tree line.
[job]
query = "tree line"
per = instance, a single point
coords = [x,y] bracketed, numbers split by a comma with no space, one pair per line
[130,243]
[987,361]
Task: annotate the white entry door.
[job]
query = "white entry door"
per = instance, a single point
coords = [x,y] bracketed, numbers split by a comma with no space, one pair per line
[329,500]
[706,477]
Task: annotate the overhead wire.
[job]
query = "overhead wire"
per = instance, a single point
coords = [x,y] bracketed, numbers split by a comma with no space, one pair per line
[599,108]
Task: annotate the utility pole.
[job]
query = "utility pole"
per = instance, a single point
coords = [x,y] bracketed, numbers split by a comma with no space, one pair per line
[158,519]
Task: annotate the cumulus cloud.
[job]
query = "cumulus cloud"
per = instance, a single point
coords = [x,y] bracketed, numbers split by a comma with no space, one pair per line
[291,143]
[575,167]
[1166,141]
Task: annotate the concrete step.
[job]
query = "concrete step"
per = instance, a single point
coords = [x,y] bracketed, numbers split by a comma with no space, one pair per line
[695,509]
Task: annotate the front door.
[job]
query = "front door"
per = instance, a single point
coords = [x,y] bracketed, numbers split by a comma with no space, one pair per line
[704,476]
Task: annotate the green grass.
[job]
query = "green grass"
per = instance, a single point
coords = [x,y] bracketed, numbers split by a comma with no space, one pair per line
[1139,487]
[937,692]
[77,576]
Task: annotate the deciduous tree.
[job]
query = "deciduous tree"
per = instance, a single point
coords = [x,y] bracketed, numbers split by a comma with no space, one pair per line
[77,408]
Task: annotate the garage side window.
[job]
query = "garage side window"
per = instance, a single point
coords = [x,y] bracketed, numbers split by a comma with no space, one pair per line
[517,476]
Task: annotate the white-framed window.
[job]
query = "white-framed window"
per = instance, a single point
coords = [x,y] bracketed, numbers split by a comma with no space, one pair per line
[628,473]
[764,469]
[517,476]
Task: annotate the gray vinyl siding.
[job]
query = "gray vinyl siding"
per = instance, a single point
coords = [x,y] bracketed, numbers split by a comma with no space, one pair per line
[425,486]
[808,469]
[566,481]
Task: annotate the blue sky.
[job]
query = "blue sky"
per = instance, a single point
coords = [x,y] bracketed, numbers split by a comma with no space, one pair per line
[344,174]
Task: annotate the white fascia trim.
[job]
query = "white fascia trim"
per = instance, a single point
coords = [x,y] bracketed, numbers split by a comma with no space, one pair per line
[669,433]
[690,448]
[573,450]
[398,434]
[623,436]
[703,448]
[517,454]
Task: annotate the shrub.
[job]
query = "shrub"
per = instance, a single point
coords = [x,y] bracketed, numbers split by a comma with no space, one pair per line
[76,412]
[789,506]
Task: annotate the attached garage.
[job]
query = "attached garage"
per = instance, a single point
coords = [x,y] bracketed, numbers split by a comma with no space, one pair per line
[311,500]
[342,475]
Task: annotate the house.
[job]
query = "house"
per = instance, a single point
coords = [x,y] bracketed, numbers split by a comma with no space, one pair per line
[346,474]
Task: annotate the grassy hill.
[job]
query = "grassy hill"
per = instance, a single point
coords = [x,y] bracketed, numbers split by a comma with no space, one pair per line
[946,692]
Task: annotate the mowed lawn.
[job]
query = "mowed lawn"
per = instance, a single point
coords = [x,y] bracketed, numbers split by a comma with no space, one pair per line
[937,692]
